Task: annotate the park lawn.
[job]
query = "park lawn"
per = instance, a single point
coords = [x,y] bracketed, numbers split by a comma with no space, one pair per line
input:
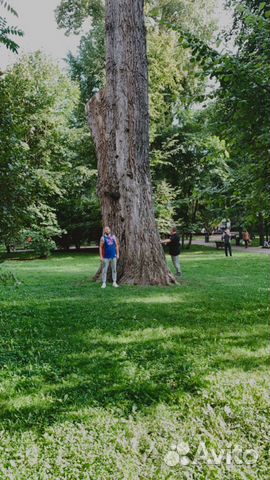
[103,384]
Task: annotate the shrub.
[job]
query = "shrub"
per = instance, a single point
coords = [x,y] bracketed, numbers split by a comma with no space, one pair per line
[42,244]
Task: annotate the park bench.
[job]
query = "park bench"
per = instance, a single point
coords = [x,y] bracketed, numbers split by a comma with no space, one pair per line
[219,244]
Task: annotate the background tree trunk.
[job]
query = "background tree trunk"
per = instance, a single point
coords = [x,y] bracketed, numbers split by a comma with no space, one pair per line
[8,249]
[119,119]
[261,228]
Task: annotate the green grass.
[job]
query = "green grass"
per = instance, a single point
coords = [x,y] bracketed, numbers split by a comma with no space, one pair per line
[100,384]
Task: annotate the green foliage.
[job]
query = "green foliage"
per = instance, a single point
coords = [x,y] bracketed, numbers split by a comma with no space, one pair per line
[184,151]
[6,30]
[36,115]
[40,241]
[174,84]
[245,100]
[101,384]
[78,210]
[70,15]
[48,163]
[240,111]
[165,196]
[88,66]
[40,237]
[196,164]
[190,16]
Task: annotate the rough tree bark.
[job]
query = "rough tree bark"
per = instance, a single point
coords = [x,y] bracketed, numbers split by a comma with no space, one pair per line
[119,119]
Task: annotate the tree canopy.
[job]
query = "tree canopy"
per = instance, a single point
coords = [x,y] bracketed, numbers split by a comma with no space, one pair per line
[209,121]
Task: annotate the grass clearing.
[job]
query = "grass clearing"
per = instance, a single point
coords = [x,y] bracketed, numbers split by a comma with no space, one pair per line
[102,384]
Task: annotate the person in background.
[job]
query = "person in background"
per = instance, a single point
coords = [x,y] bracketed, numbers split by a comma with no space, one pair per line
[174,249]
[109,254]
[226,237]
[246,238]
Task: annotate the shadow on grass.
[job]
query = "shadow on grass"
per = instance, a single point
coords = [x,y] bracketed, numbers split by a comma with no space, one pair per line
[68,347]
[137,374]
[242,362]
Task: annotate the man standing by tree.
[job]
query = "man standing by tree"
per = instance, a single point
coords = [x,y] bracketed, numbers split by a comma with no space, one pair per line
[174,249]
[109,254]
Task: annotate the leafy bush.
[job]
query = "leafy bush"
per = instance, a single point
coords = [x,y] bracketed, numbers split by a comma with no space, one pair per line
[41,243]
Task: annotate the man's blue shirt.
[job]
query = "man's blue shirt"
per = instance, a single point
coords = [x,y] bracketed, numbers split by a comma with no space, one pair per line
[110,246]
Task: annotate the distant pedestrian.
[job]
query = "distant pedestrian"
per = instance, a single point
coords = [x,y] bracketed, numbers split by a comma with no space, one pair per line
[109,254]
[174,249]
[246,238]
[226,237]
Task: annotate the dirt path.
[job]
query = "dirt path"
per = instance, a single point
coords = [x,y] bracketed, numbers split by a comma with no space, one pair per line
[258,250]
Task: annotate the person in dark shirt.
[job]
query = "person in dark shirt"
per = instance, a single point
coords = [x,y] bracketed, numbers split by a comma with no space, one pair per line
[226,237]
[174,249]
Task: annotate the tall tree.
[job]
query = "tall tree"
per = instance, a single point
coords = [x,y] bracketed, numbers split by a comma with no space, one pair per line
[242,112]
[119,119]
[36,112]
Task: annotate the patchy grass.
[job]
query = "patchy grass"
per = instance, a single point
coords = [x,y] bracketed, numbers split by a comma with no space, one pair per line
[104,384]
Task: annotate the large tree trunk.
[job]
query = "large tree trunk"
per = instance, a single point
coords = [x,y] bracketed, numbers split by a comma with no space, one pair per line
[119,119]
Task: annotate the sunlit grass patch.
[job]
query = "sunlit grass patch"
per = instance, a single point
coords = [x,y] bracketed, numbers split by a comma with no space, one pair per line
[156,299]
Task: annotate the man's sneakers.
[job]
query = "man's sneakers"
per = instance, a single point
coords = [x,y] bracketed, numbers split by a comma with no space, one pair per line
[114,285]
